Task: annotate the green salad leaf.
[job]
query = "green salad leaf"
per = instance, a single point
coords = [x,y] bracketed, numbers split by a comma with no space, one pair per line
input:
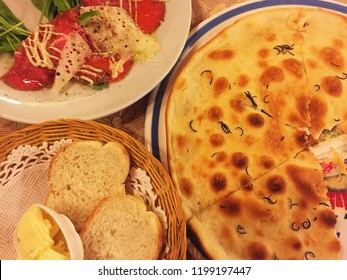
[12,30]
[100,85]
[46,7]
[64,5]
[84,18]
[51,8]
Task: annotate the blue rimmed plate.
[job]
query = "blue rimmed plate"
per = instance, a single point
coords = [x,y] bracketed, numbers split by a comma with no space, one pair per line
[155,131]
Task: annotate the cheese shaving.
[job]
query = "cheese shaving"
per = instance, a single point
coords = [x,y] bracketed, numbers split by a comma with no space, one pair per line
[113,31]
[73,56]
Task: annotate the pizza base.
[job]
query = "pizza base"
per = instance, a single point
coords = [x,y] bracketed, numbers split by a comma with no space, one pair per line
[241,114]
[285,214]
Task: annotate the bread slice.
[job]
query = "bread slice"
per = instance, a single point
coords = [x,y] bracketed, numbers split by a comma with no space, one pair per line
[82,174]
[121,228]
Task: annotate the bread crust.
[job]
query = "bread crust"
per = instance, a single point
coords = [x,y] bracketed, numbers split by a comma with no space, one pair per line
[84,172]
[121,227]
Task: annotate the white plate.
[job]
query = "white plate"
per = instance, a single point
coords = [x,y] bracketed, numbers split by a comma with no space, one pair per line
[82,101]
[155,131]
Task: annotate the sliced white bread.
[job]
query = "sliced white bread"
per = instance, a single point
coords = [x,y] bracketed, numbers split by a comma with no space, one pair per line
[82,174]
[121,228]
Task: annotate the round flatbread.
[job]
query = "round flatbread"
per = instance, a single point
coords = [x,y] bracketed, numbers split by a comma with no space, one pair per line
[252,98]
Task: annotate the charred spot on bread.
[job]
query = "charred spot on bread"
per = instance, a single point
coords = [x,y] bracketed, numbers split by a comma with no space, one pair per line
[181,141]
[218,181]
[217,140]
[301,138]
[236,105]
[296,244]
[272,74]
[276,184]
[215,113]
[230,206]
[221,54]
[327,218]
[332,85]
[256,251]
[294,66]
[267,162]
[186,186]
[332,57]
[255,120]
[305,181]
[220,85]
[239,160]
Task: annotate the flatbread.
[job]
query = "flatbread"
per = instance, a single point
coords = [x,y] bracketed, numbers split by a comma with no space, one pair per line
[283,215]
[242,107]
[325,66]
[260,54]
[215,150]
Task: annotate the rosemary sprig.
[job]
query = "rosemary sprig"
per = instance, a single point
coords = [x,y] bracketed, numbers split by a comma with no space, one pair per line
[284,49]
[251,98]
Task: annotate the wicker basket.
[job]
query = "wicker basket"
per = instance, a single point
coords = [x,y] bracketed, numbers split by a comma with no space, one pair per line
[76,130]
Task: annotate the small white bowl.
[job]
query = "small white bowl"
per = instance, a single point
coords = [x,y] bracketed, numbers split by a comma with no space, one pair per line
[72,238]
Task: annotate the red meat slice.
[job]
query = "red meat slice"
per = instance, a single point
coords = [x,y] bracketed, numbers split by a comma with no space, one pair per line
[148,15]
[100,62]
[25,76]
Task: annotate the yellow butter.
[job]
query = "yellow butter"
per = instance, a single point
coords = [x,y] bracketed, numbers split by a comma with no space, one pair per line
[39,237]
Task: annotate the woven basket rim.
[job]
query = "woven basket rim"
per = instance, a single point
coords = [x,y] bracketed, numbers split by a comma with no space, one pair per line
[78,130]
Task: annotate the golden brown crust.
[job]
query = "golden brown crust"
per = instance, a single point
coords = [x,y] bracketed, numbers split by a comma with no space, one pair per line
[271,219]
[240,117]
[128,230]
[100,168]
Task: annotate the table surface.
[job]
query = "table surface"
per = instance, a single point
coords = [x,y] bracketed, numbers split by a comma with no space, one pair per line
[132,118]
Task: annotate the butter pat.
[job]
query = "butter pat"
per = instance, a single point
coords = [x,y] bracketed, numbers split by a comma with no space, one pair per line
[43,234]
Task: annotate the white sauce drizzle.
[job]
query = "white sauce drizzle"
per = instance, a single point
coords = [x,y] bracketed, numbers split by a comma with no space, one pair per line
[88,80]
[89,70]
[36,46]
[116,66]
